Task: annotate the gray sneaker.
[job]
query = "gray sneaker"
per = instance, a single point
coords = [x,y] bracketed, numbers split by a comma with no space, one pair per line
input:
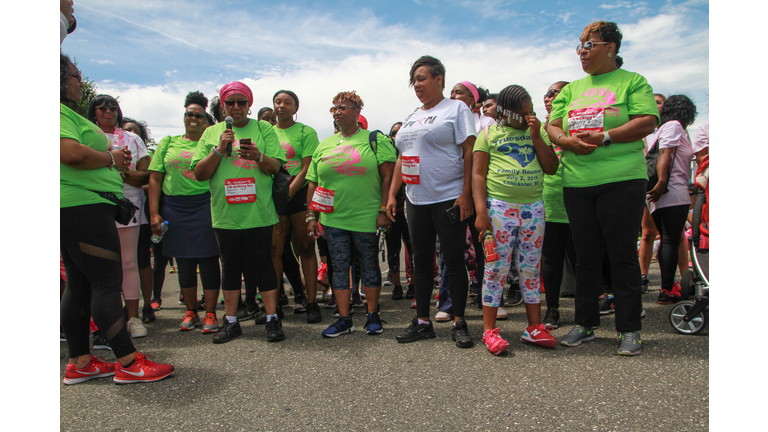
[631,344]
[577,335]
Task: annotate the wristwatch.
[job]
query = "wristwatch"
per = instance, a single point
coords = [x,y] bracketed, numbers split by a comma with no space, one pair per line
[216,152]
[606,139]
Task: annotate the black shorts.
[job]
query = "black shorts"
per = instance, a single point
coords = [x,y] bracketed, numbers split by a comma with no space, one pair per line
[298,204]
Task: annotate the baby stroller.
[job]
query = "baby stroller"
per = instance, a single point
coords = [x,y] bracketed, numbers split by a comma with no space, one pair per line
[690,315]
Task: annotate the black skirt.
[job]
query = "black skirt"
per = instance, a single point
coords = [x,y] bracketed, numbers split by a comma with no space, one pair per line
[190,230]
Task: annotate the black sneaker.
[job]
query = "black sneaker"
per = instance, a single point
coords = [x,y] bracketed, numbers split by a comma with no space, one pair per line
[416,331]
[227,332]
[644,284]
[284,301]
[410,294]
[313,313]
[147,314]
[248,311]
[397,292]
[100,342]
[551,319]
[275,331]
[514,296]
[460,334]
[260,317]
[606,304]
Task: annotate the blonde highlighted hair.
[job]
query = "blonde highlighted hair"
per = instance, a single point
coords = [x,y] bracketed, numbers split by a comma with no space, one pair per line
[350,96]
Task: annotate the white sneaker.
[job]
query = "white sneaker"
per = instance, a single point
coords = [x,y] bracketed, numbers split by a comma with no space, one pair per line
[136,328]
[501,314]
[443,317]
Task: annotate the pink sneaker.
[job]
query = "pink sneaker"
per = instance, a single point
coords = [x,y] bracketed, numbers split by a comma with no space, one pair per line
[539,335]
[496,345]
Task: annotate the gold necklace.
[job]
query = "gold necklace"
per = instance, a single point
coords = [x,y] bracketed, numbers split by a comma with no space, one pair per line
[341,137]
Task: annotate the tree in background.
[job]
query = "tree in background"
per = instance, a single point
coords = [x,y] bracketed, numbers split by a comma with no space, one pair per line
[89,91]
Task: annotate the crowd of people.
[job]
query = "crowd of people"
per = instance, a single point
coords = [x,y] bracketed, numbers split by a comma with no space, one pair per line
[478,187]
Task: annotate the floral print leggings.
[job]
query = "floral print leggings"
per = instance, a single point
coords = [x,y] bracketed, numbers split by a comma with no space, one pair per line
[519,232]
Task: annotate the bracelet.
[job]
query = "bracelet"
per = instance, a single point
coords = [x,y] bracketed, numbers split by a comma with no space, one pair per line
[216,152]
[557,140]
[310,217]
[383,209]
[261,158]
[113,160]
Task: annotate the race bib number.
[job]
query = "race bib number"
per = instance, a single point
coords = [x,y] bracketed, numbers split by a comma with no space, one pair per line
[585,120]
[322,200]
[410,169]
[240,190]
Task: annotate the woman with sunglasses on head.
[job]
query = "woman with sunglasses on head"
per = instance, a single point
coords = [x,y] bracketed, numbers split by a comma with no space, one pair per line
[186,206]
[558,243]
[349,179]
[105,112]
[435,163]
[299,142]
[239,164]
[90,245]
[600,122]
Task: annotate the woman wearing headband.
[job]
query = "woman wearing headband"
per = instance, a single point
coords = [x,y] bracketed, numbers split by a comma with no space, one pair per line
[239,164]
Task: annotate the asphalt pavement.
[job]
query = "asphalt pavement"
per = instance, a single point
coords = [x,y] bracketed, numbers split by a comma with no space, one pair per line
[358,382]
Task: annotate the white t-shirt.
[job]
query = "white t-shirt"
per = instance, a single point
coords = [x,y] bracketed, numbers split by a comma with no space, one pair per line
[672,135]
[435,137]
[482,121]
[702,138]
[135,194]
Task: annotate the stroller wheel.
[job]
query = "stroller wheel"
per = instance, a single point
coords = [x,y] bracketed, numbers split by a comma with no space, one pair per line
[692,327]
[686,285]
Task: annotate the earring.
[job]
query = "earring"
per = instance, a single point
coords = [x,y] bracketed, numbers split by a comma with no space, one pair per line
[610,55]
[295,116]
[249,111]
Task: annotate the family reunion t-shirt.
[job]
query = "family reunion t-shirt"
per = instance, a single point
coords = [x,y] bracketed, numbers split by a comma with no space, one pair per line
[173,157]
[298,141]
[430,144]
[514,173]
[554,208]
[348,181]
[601,103]
[241,194]
[76,185]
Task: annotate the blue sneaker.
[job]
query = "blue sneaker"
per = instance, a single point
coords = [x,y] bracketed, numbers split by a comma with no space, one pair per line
[340,327]
[373,325]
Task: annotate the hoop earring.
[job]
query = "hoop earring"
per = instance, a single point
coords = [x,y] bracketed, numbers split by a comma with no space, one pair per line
[249,111]
[295,116]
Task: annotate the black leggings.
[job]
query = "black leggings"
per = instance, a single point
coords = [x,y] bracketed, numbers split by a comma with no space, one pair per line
[246,252]
[606,217]
[397,230]
[90,250]
[158,270]
[670,221]
[291,268]
[424,223]
[210,275]
[557,244]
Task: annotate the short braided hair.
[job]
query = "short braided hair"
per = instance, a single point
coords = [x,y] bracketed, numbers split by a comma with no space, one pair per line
[510,100]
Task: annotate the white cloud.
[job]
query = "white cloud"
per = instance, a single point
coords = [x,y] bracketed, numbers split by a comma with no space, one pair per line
[101,62]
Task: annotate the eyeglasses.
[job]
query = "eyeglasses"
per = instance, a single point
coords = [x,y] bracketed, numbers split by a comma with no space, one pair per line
[197,116]
[112,109]
[552,93]
[242,103]
[342,108]
[78,75]
[588,45]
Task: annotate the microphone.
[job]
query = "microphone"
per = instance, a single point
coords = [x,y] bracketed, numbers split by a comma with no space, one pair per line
[229,121]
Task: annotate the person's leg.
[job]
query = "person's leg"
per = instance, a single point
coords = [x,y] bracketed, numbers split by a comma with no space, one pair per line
[670,222]
[129,241]
[528,245]
[144,262]
[392,238]
[258,265]
[406,235]
[292,269]
[552,261]
[645,253]
[422,232]
[279,233]
[366,248]
[444,299]
[505,230]
[187,272]
[682,253]
[232,260]
[158,270]
[210,277]
[452,239]
[340,251]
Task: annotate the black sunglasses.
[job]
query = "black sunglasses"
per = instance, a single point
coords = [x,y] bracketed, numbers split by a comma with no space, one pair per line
[107,108]
[78,75]
[551,93]
[197,116]
[242,103]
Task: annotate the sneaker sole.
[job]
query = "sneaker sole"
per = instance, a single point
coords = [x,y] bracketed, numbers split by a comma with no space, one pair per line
[446,319]
[138,335]
[343,332]
[102,347]
[552,326]
[577,343]
[499,352]
[188,328]
[607,312]
[374,332]
[134,381]
[543,343]
[426,336]
[71,381]
[210,330]
[276,339]
[463,344]
[630,353]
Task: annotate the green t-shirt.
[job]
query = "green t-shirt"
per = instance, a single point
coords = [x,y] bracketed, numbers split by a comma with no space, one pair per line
[173,157]
[298,141]
[604,102]
[514,173]
[351,170]
[75,185]
[553,187]
[242,178]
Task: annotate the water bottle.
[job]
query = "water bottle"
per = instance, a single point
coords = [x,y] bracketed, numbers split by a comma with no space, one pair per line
[489,247]
[164,229]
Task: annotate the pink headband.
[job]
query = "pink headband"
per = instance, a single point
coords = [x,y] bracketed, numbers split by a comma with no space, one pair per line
[472,89]
[236,87]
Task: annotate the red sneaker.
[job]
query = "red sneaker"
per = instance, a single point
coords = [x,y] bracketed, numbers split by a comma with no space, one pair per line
[142,370]
[413,304]
[155,303]
[539,335]
[496,345]
[96,368]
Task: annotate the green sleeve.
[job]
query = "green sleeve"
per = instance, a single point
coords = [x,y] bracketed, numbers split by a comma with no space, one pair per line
[559,104]
[204,147]
[272,147]
[158,159]
[310,142]
[385,152]
[480,143]
[67,125]
[640,99]
[312,171]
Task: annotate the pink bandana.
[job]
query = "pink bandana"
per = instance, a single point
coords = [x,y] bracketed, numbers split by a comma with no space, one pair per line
[236,87]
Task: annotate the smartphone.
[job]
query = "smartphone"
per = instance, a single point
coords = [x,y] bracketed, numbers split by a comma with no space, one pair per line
[246,141]
[454,214]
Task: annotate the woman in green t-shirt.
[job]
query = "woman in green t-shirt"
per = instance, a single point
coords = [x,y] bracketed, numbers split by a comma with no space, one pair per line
[186,205]
[299,142]
[600,122]
[509,162]
[90,246]
[349,180]
[238,162]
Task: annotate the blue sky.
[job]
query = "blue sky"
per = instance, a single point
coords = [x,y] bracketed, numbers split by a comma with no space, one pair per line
[154,52]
